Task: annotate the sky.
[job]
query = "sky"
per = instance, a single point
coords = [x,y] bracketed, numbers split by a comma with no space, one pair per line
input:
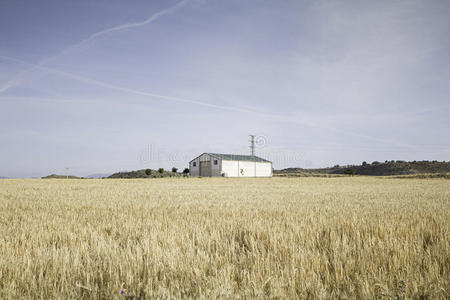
[103,86]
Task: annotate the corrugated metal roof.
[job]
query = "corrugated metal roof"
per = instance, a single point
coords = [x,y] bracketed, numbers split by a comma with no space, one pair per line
[238,157]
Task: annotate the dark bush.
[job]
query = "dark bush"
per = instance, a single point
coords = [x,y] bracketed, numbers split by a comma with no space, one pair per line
[350,171]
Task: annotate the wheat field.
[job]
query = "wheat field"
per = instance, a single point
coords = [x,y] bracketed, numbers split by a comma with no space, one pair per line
[356,238]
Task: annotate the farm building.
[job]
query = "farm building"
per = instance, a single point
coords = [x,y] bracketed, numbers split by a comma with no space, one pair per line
[230,165]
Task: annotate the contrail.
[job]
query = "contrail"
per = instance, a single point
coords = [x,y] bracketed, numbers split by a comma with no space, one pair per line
[328,146]
[132,91]
[17,79]
[200,103]
[137,24]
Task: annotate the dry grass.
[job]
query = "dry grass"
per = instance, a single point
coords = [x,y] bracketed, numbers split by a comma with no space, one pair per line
[354,237]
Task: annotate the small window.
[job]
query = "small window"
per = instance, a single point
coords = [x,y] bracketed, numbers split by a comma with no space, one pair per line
[215,161]
[194,164]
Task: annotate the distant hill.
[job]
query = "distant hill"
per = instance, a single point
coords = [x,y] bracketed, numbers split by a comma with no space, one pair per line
[387,168]
[54,176]
[98,175]
[142,174]
[1,177]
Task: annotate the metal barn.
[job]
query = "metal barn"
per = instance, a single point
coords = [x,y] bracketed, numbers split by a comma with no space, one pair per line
[230,165]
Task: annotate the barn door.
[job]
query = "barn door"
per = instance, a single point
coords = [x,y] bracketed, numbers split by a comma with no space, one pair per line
[205,168]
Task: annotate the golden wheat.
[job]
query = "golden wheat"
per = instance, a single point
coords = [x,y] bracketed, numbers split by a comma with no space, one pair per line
[354,237]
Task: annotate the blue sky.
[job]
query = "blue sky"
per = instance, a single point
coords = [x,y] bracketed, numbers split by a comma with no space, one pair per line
[104,86]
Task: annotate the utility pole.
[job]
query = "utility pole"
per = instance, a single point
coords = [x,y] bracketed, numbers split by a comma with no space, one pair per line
[252,144]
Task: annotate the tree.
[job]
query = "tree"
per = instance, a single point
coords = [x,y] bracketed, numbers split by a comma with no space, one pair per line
[350,171]
[160,170]
[148,172]
[364,163]
[174,170]
[186,171]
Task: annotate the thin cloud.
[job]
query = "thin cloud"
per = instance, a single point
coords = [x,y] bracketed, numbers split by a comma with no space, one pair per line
[201,103]
[17,79]
[137,92]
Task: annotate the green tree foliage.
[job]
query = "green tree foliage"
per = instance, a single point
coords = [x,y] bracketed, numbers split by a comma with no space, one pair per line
[148,172]
[174,170]
[350,171]
[160,170]
[186,171]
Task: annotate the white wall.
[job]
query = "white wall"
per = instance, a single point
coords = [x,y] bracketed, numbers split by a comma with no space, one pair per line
[246,168]
[230,168]
[233,168]
[263,169]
